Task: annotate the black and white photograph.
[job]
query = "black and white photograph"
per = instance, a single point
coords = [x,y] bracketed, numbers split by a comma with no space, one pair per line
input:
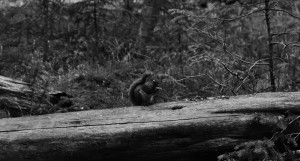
[149,80]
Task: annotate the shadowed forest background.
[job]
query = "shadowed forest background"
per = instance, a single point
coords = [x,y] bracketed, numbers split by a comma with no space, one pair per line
[94,49]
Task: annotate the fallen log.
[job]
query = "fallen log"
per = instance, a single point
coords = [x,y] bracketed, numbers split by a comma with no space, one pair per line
[162,132]
[18,98]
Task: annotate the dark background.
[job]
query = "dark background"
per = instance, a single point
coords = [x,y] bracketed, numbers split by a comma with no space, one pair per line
[94,49]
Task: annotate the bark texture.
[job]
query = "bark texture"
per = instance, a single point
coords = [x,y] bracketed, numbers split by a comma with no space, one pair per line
[168,131]
[18,98]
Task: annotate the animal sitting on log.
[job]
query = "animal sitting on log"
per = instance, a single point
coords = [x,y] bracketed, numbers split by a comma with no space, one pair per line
[142,91]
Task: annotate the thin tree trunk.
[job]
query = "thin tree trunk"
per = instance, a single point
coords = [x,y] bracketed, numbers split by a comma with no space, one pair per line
[46,29]
[128,4]
[96,31]
[28,31]
[150,13]
[1,49]
[294,75]
[270,46]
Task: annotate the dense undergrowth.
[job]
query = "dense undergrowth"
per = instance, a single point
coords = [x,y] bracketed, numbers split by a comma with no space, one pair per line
[92,50]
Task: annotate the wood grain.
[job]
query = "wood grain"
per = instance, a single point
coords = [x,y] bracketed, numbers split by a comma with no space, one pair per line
[167,131]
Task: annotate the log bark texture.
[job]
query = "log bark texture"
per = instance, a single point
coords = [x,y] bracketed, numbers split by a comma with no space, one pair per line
[18,98]
[167,132]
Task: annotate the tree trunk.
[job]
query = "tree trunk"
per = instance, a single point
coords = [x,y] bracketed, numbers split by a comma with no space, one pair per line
[150,14]
[1,49]
[161,132]
[270,46]
[96,48]
[46,29]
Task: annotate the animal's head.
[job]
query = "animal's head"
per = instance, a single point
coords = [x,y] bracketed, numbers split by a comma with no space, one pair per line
[155,85]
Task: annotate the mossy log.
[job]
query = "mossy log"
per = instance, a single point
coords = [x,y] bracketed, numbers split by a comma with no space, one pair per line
[162,132]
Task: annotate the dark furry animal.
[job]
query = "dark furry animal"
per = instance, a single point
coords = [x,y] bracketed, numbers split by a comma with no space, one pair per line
[142,91]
